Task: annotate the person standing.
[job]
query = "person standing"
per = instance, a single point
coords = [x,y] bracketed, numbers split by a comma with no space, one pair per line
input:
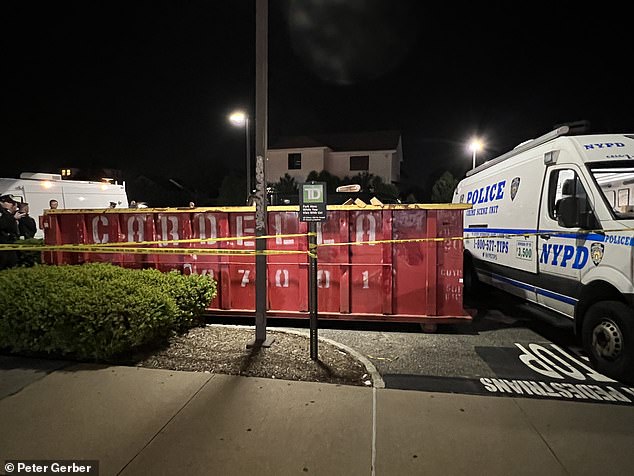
[53,204]
[26,223]
[8,230]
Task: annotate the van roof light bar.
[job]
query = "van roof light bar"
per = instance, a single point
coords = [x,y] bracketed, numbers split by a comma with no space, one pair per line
[524,146]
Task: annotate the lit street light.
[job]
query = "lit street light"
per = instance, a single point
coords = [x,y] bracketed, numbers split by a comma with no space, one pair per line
[239,119]
[475,146]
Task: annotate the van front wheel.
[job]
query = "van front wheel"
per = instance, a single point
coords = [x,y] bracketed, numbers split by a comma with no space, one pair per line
[608,338]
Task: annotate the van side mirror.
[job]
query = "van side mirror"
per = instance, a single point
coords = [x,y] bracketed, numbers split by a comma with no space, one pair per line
[570,214]
[567,212]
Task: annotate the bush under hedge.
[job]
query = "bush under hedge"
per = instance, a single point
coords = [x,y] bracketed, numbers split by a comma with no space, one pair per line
[97,310]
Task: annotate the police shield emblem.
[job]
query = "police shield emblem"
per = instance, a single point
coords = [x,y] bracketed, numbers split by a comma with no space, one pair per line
[596,253]
[515,185]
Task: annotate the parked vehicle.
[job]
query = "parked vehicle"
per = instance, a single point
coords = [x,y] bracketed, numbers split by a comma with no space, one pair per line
[38,189]
[552,222]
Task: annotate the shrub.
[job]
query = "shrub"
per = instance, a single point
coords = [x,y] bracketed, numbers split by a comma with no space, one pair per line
[96,310]
[191,293]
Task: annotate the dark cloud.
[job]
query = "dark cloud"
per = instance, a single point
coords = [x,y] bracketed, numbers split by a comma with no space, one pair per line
[347,42]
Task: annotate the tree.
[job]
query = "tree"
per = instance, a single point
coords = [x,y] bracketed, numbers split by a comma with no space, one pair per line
[332,181]
[365,179]
[369,183]
[443,188]
[286,185]
[382,189]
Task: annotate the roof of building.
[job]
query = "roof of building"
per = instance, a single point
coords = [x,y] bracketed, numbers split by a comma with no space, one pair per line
[379,140]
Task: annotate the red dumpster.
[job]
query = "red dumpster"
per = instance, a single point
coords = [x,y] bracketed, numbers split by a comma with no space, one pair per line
[102,228]
[414,263]
[138,228]
[333,270]
[241,269]
[449,285]
[172,227]
[207,227]
[370,264]
[52,236]
[396,262]
[70,230]
[287,273]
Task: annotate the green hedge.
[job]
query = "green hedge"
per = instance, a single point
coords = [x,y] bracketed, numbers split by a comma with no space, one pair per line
[96,310]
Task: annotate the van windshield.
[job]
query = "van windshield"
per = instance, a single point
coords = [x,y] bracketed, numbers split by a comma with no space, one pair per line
[616,182]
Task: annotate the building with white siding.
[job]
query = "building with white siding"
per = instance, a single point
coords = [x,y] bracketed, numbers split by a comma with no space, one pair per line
[378,153]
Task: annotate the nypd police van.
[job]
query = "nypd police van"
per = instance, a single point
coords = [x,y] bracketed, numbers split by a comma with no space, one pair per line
[38,189]
[552,222]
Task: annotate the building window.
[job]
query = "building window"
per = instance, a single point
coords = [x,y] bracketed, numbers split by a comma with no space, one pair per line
[294,161]
[359,162]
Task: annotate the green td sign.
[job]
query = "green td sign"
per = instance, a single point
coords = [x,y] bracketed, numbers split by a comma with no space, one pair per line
[312,201]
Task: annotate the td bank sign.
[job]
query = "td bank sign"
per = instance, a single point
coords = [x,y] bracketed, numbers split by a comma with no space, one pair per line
[312,201]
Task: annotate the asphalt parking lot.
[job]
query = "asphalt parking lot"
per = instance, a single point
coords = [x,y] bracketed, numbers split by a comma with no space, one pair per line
[459,350]
[512,350]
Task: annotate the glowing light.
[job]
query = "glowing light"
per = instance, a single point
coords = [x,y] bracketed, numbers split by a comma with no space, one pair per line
[476,145]
[46,184]
[238,118]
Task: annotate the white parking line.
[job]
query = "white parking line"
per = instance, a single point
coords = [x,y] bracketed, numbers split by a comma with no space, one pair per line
[373,430]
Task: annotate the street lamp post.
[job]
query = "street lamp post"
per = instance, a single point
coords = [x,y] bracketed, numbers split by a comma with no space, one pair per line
[239,119]
[476,146]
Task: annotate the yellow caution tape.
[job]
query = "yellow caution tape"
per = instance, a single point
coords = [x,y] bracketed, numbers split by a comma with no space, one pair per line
[140,247]
[477,236]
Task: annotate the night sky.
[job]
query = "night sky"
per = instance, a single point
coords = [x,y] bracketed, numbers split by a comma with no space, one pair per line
[146,87]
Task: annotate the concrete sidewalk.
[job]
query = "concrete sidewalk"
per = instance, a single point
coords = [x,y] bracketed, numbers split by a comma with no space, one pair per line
[138,421]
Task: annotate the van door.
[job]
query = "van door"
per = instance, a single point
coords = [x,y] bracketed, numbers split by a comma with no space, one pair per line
[566,212]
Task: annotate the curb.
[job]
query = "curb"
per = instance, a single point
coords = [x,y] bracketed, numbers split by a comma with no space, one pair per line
[377,380]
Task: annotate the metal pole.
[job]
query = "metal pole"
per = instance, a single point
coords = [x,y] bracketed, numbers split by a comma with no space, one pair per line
[312,286]
[261,114]
[249,189]
[261,76]
[474,157]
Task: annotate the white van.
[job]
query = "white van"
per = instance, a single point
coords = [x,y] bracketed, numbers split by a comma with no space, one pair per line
[552,222]
[37,189]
